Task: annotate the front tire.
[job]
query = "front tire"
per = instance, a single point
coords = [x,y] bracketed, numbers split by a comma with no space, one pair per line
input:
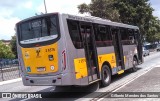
[135,63]
[106,76]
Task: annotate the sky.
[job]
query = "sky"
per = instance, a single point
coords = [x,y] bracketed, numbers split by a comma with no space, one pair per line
[13,11]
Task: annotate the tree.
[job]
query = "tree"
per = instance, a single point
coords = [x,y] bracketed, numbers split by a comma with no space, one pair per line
[135,12]
[100,8]
[153,34]
[14,46]
[2,55]
[5,51]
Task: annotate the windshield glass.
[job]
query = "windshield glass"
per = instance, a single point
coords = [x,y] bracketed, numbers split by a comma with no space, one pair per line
[41,29]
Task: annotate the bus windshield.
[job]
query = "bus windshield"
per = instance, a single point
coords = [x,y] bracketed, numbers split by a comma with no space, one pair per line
[38,30]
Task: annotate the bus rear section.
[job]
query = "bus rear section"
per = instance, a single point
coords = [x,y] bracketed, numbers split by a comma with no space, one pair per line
[38,41]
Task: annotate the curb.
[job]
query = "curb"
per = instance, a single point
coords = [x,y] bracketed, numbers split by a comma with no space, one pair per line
[10,81]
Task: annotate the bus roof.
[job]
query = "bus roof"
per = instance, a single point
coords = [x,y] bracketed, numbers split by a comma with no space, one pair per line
[98,20]
[92,19]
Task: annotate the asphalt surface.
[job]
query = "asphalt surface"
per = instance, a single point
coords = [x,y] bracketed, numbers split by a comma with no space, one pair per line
[138,81]
[146,86]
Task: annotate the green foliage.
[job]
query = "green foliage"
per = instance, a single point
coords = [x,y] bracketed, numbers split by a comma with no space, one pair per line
[5,51]
[135,12]
[14,46]
[83,8]
[153,34]
[100,8]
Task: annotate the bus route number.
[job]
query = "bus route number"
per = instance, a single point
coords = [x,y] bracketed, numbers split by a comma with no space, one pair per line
[50,49]
[82,60]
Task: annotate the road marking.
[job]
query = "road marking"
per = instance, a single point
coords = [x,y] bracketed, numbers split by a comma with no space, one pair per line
[10,81]
[145,71]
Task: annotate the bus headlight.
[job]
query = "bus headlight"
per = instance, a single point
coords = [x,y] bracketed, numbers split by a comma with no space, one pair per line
[52,68]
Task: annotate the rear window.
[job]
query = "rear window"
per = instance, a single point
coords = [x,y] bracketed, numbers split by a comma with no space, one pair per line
[41,29]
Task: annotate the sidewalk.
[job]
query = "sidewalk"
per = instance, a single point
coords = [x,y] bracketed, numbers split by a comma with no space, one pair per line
[149,82]
[10,81]
[147,85]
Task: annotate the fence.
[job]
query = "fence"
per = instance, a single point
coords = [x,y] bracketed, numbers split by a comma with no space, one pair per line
[9,69]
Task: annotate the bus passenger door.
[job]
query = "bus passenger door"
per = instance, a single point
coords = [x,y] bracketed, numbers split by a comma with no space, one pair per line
[90,51]
[118,49]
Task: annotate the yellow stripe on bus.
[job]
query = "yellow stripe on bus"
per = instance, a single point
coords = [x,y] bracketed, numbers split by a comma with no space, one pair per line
[107,58]
[81,66]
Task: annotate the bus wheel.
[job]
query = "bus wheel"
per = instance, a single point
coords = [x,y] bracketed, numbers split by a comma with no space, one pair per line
[135,63]
[106,76]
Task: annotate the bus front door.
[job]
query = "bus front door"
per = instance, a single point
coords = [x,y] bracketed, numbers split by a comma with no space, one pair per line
[90,52]
[118,49]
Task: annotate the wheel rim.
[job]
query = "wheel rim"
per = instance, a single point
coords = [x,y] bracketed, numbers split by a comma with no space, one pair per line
[106,75]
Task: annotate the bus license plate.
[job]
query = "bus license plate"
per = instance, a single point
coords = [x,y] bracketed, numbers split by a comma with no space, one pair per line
[41,69]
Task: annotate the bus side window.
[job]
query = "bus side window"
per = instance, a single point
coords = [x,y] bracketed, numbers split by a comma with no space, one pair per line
[124,36]
[97,36]
[108,37]
[102,36]
[131,36]
[75,34]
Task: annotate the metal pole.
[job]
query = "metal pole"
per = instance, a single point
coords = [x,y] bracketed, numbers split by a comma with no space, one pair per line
[45,6]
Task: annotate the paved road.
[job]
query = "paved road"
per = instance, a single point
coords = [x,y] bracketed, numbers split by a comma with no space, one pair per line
[117,82]
[148,84]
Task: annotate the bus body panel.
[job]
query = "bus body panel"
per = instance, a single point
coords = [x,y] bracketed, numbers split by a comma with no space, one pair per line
[67,71]
[128,51]
[41,57]
[71,54]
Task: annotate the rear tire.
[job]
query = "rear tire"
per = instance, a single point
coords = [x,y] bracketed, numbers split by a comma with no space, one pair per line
[106,76]
[135,63]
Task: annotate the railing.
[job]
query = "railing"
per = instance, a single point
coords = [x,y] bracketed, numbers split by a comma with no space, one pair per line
[9,70]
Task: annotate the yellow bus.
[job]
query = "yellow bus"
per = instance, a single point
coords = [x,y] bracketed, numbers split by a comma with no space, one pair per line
[63,50]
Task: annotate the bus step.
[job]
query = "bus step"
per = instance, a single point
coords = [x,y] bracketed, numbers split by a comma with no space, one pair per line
[121,72]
